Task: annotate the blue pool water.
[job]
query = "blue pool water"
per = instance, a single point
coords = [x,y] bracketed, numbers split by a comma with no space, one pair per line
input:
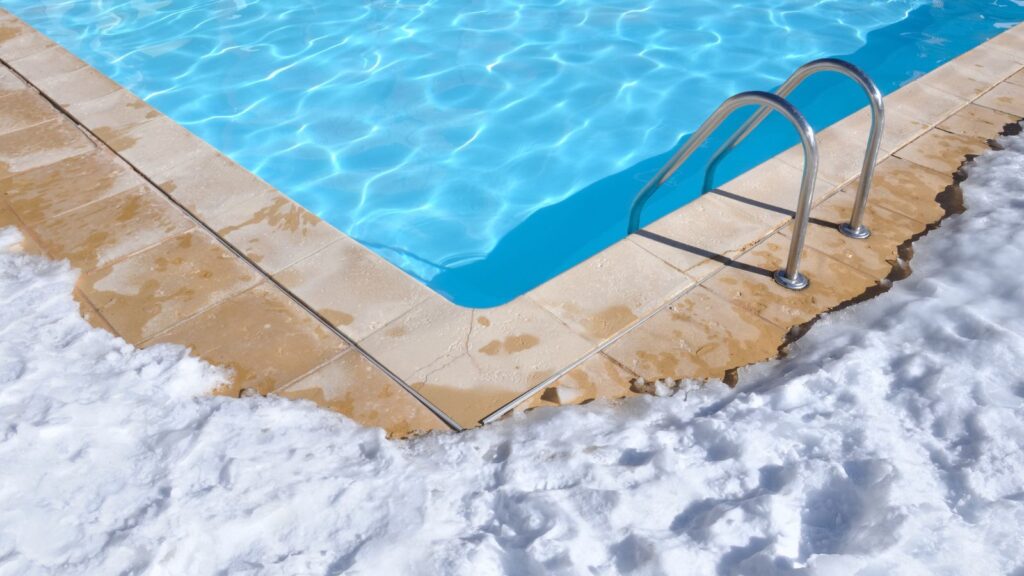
[487,145]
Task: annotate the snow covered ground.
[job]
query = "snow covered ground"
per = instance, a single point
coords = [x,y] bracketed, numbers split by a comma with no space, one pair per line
[891,441]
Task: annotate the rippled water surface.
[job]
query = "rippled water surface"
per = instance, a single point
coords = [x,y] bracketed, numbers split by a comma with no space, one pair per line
[486,145]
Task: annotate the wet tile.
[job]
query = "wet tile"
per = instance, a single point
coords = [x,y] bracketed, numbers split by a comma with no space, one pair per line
[1011,42]
[155,289]
[27,245]
[24,109]
[46,64]
[907,188]
[971,74]
[273,231]
[82,85]
[841,149]
[470,362]
[749,284]
[112,228]
[41,145]
[354,289]
[7,217]
[900,130]
[18,40]
[704,234]
[875,255]
[353,386]
[1005,97]
[977,121]
[51,190]
[10,83]
[211,185]
[990,63]
[771,190]
[267,340]
[942,151]
[598,377]
[157,146]
[926,104]
[610,291]
[110,117]
[90,314]
[700,336]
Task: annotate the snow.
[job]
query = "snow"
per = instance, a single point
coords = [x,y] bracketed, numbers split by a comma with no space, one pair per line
[890,441]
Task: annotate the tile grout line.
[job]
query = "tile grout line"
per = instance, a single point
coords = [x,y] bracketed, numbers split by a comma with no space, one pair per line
[440,414]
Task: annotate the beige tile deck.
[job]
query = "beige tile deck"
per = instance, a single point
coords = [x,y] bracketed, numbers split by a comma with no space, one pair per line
[7,216]
[599,377]
[212,187]
[110,117]
[1005,97]
[349,384]
[261,335]
[748,284]
[836,163]
[112,228]
[10,83]
[82,85]
[40,145]
[923,103]
[701,237]
[907,188]
[342,278]
[974,73]
[623,284]
[18,39]
[942,151]
[275,232]
[977,121]
[50,191]
[874,256]
[45,64]
[699,336]
[157,288]
[91,315]
[160,284]
[469,362]
[156,146]
[23,109]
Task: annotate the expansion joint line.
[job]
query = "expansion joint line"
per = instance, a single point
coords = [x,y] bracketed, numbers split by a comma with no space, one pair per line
[448,420]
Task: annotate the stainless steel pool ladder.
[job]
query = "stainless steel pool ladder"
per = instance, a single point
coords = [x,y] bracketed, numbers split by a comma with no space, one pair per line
[790,276]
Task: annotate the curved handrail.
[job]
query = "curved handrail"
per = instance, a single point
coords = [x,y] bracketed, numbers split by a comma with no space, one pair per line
[790,277]
[855,228]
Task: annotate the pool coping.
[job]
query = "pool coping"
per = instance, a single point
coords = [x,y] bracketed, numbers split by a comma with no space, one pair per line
[471,365]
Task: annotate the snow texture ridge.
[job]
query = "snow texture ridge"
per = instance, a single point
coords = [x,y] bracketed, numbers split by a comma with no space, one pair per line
[891,441]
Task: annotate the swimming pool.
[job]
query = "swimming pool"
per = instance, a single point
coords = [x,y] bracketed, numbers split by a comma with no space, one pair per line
[485,146]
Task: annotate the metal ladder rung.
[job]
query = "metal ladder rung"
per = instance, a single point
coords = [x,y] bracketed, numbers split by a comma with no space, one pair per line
[790,277]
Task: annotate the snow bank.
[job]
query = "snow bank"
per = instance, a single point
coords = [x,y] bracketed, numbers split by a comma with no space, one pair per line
[890,442]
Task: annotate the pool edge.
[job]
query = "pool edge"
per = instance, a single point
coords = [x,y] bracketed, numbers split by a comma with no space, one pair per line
[470,362]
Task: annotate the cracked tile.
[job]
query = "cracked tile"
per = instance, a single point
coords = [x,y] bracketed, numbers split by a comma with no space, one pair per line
[470,362]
